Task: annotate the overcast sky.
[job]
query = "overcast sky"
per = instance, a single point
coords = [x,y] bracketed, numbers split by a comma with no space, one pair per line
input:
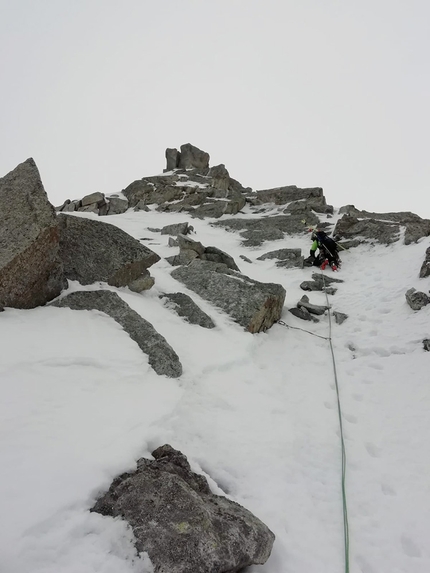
[330,93]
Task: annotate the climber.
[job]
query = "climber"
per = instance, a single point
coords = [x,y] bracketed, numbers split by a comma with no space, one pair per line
[328,252]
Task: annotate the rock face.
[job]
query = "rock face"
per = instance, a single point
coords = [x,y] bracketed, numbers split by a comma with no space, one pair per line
[253,305]
[425,268]
[382,227]
[286,258]
[180,523]
[94,251]
[185,306]
[416,299]
[162,357]
[31,271]
[190,250]
[258,230]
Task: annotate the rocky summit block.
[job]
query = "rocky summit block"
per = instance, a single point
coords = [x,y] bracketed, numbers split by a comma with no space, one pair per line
[182,525]
[31,271]
[95,251]
[254,305]
[161,355]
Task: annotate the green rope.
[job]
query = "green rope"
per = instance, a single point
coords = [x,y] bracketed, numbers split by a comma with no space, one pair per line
[342,441]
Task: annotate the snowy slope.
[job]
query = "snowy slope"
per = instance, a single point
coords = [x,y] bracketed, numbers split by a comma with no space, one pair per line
[258,413]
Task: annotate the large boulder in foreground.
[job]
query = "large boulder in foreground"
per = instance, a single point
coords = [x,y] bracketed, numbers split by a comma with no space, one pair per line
[180,523]
[31,271]
[253,305]
[161,355]
[95,251]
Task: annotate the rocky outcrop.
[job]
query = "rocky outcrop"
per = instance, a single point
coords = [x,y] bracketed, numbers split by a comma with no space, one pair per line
[95,251]
[286,258]
[426,344]
[382,227]
[253,305]
[177,229]
[312,308]
[161,355]
[425,267]
[192,157]
[255,231]
[283,195]
[416,299]
[302,313]
[190,250]
[185,307]
[320,282]
[31,271]
[180,523]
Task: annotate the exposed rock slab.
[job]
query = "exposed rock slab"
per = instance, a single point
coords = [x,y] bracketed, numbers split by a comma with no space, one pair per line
[31,270]
[415,226]
[95,251]
[190,250]
[161,355]
[283,195]
[320,282]
[286,258]
[416,299]
[253,305]
[185,306]
[350,227]
[180,523]
[312,308]
[302,313]
[256,231]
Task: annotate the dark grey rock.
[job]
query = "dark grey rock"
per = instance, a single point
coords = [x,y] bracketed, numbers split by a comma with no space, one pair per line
[320,282]
[416,299]
[172,242]
[192,157]
[172,159]
[350,227]
[177,229]
[245,259]
[253,305]
[144,282]
[95,251]
[312,308]
[339,317]
[303,313]
[283,195]
[117,206]
[188,244]
[93,198]
[185,306]
[215,255]
[287,258]
[415,226]
[141,206]
[71,207]
[426,344]
[425,267]
[161,355]
[220,177]
[256,231]
[31,270]
[180,523]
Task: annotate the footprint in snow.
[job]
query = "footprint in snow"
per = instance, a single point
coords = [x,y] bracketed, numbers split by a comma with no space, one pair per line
[373,450]
[409,547]
[350,418]
[387,489]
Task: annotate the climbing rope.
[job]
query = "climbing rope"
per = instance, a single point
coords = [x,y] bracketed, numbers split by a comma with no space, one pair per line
[342,441]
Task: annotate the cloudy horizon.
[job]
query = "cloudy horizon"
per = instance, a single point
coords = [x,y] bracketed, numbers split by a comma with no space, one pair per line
[282,93]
